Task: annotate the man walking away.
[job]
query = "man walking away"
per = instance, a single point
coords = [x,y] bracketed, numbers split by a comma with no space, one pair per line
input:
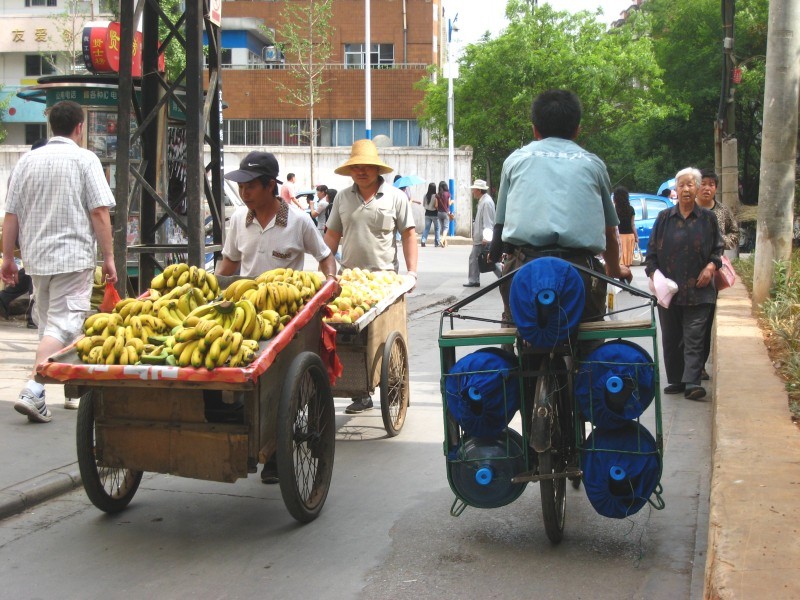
[58,204]
[484,219]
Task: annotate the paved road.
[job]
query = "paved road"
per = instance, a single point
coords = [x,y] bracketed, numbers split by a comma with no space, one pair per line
[385,531]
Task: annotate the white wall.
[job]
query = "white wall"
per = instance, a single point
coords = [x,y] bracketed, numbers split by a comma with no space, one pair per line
[428,163]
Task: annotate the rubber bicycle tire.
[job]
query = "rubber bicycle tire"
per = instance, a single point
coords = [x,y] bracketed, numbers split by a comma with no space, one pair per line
[306,433]
[395,389]
[552,461]
[109,489]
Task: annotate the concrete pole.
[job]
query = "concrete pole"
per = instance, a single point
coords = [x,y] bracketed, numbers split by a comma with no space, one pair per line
[367,71]
[730,181]
[779,147]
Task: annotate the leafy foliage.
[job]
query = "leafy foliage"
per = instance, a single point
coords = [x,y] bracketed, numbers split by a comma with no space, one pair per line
[615,76]
[650,88]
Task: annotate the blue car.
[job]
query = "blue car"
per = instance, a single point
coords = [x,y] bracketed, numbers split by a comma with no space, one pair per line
[647,207]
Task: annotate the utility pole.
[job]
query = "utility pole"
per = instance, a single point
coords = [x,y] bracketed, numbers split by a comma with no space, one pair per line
[726,153]
[451,68]
[779,146]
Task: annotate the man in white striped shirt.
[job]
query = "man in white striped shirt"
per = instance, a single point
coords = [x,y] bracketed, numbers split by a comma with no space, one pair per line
[58,203]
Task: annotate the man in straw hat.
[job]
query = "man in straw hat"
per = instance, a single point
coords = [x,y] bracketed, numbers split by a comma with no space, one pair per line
[270,233]
[365,218]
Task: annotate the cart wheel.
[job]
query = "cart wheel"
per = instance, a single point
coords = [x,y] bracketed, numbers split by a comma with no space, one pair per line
[109,489]
[553,460]
[305,437]
[394,383]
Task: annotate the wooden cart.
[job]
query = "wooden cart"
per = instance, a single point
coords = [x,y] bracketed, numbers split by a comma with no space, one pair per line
[213,425]
[374,354]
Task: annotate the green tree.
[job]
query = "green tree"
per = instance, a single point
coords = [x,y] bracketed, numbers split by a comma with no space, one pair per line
[687,40]
[305,35]
[616,77]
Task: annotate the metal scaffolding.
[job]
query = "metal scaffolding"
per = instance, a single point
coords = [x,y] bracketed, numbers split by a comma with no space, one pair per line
[203,112]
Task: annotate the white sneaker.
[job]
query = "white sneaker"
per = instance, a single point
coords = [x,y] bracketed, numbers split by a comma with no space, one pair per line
[72,403]
[34,408]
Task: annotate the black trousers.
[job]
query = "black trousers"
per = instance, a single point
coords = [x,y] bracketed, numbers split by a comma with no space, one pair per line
[707,340]
[683,330]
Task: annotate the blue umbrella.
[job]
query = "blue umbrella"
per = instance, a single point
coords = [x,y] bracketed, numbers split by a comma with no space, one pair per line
[408,181]
[669,183]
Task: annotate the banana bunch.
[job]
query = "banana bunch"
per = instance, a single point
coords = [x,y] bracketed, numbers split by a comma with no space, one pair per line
[308,282]
[109,341]
[179,274]
[98,288]
[219,332]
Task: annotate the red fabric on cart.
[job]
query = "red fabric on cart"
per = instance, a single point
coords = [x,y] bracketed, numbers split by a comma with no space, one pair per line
[327,352]
[60,371]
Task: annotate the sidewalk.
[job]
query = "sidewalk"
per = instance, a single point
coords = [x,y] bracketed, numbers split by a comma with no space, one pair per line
[37,459]
[753,543]
[753,549]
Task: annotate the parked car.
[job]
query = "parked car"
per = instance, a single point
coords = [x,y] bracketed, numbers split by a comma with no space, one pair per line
[647,207]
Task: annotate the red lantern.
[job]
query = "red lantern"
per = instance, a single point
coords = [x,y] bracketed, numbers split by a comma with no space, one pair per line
[93,44]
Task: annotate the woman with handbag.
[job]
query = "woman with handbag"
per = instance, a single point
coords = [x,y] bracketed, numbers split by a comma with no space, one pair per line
[443,202]
[431,215]
[628,237]
[686,246]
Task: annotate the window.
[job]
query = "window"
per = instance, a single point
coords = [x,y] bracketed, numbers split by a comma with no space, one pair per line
[39,64]
[381,55]
[41,3]
[35,132]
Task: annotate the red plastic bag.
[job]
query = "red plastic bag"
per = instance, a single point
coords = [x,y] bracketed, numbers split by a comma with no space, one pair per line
[110,298]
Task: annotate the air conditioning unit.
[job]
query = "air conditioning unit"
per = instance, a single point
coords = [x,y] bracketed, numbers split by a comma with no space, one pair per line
[271,54]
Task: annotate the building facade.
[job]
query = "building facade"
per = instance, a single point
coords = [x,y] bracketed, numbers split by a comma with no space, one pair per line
[406,38]
[39,37]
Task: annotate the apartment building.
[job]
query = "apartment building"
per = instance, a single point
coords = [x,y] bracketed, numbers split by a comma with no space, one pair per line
[406,37]
[39,37]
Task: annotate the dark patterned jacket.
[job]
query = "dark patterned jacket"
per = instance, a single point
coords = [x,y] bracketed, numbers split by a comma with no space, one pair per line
[681,249]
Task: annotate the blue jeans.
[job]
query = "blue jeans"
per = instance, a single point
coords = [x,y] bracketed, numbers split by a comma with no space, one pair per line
[428,221]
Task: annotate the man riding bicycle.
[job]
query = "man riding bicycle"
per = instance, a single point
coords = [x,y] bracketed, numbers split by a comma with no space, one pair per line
[555,200]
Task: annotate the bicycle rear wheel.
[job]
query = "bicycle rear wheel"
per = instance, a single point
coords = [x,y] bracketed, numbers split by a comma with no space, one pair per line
[551,391]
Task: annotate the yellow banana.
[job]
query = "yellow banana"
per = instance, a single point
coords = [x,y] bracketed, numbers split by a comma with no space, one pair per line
[183,279]
[136,326]
[268,331]
[135,343]
[201,277]
[223,356]
[123,357]
[212,282]
[122,303]
[136,308]
[169,318]
[193,274]
[158,281]
[236,341]
[258,327]
[205,325]
[198,356]
[252,345]
[185,357]
[191,321]
[187,334]
[108,345]
[212,335]
[147,307]
[133,355]
[180,269]
[168,271]
[183,306]
[238,317]
[101,322]
[95,356]
[119,345]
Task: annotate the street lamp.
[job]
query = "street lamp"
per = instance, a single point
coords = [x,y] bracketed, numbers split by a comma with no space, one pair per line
[451,27]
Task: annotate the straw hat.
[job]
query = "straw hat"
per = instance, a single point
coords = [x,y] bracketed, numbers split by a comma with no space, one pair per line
[479,184]
[364,152]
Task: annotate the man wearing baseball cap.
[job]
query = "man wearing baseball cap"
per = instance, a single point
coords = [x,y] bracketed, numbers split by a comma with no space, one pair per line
[269,233]
[365,217]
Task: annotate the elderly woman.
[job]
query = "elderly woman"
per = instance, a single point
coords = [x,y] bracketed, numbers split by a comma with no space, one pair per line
[685,245]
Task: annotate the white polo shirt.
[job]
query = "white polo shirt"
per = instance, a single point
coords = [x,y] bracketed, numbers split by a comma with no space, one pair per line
[282,243]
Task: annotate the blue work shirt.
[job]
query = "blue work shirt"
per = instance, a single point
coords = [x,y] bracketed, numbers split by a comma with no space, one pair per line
[555,193]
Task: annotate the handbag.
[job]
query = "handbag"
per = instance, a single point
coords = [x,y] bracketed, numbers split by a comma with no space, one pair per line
[637,256]
[484,266]
[725,276]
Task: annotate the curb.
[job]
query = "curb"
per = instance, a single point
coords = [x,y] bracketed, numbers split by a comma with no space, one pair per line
[22,496]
